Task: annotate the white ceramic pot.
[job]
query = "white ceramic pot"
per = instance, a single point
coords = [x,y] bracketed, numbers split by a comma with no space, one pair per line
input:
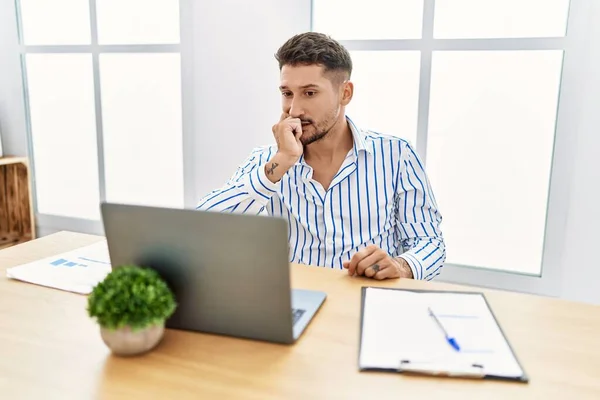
[126,342]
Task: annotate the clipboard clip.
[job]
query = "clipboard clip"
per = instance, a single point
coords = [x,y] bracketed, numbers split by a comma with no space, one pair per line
[475,371]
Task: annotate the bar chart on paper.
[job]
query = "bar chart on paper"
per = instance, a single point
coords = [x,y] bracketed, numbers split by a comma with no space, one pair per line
[75,271]
[79,262]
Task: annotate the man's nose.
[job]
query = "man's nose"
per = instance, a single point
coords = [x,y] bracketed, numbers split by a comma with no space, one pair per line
[295,110]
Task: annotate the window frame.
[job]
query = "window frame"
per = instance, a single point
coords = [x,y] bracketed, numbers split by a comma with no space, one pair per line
[184,48]
[548,282]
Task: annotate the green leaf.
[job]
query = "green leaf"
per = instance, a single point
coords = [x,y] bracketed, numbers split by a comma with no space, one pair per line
[131,296]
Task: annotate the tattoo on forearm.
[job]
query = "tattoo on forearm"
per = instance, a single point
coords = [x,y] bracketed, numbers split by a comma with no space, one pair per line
[272,168]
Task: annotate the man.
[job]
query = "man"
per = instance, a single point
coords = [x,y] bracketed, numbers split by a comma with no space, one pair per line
[354,199]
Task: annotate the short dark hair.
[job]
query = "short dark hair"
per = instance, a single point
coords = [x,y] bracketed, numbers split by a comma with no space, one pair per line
[312,48]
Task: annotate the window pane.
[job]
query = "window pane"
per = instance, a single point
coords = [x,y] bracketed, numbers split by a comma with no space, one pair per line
[63,123]
[386,92]
[55,22]
[500,18]
[374,19]
[141,111]
[138,21]
[489,152]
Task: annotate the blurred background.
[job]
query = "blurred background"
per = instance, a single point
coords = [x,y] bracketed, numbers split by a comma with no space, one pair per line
[156,102]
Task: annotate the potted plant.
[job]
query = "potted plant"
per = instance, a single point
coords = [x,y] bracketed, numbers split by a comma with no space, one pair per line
[131,306]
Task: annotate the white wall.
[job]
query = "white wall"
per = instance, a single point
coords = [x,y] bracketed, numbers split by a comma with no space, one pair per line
[12,109]
[580,278]
[236,79]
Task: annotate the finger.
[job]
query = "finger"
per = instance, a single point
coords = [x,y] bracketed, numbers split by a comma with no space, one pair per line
[360,255]
[357,257]
[346,265]
[372,259]
[296,126]
[372,270]
[282,118]
[387,272]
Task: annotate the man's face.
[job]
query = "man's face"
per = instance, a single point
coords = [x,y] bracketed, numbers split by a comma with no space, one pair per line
[308,94]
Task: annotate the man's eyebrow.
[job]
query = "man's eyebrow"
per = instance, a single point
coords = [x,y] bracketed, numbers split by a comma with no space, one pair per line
[309,86]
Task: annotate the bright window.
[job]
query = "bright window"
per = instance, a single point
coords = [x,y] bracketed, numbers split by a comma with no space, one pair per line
[63,122]
[482,112]
[392,78]
[141,109]
[103,82]
[55,22]
[138,21]
[478,19]
[373,19]
[489,151]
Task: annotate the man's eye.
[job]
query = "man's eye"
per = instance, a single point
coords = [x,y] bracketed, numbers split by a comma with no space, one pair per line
[311,93]
[286,94]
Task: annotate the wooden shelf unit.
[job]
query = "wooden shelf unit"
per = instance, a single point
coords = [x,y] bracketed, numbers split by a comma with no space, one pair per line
[17,224]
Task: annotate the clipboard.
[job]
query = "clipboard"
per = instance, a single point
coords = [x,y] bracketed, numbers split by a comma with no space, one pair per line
[464,366]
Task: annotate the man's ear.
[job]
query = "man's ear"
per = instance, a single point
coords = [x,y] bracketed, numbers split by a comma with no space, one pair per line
[347,91]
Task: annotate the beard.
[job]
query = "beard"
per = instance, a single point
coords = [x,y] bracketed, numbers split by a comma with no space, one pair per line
[314,131]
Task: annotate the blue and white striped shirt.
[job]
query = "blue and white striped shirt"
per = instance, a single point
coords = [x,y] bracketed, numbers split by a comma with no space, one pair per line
[381,195]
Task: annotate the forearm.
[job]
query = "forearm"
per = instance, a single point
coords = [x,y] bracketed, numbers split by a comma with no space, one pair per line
[230,199]
[277,167]
[404,268]
[249,192]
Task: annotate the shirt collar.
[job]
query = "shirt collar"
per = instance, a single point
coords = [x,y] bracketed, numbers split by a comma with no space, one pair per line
[358,137]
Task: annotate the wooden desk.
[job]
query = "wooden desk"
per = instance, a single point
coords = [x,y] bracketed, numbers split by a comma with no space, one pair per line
[50,349]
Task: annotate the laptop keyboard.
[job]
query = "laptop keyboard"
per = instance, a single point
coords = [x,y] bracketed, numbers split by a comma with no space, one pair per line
[296,314]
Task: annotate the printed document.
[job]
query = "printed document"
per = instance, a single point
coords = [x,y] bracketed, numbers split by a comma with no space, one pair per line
[75,271]
[397,326]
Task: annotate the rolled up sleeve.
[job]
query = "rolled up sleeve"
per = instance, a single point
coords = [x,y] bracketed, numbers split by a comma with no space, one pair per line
[419,220]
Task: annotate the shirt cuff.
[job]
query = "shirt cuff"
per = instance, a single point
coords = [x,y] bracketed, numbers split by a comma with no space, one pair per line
[259,186]
[414,265]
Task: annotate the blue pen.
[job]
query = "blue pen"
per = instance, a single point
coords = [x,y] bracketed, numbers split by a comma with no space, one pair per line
[452,341]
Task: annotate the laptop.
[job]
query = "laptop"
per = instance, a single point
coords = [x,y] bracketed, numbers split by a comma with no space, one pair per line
[230,273]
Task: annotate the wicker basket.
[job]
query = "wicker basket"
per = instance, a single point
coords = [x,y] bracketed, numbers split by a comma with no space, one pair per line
[16,212]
